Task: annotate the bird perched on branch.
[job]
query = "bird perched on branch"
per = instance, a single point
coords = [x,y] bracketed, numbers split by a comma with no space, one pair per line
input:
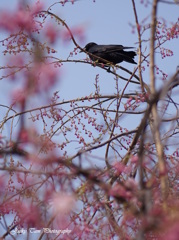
[111,53]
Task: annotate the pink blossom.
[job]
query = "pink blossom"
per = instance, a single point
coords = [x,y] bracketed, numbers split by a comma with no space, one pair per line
[24,135]
[172,233]
[2,183]
[21,17]
[36,7]
[63,202]
[26,213]
[12,21]
[77,32]
[120,191]
[6,21]
[131,184]
[16,60]
[119,167]
[134,159]
[42,77]
[48,76]
[51,33]
[24,19]
[19,96]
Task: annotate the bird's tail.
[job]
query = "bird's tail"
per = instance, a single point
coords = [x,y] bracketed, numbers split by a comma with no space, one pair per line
[129,56]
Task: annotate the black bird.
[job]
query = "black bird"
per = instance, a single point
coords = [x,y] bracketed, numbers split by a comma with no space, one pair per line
[111,53]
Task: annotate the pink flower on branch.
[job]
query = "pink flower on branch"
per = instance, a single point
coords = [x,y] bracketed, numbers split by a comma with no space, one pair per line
[26,213]
[120,192]
[21,18]
[63,202]
[41,78]
[51,33]
[19,97]
[77,32]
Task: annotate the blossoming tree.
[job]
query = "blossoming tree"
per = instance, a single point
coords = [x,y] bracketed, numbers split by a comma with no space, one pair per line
[70,168]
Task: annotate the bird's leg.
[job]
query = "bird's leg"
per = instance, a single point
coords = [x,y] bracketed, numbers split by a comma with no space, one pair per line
[108,70]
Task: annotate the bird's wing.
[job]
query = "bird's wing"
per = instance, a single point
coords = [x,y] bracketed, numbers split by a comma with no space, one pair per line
[109,48]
